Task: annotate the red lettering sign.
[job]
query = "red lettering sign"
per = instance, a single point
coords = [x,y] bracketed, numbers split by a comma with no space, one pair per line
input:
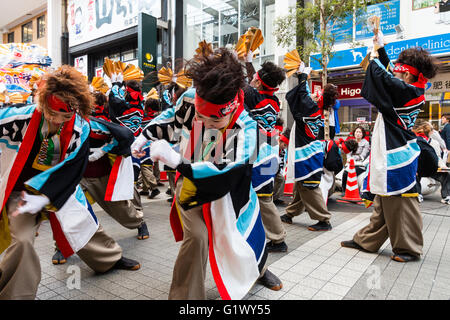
[346,91]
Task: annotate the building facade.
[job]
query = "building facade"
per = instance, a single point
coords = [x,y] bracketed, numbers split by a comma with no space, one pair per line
[404,24]
[30,28]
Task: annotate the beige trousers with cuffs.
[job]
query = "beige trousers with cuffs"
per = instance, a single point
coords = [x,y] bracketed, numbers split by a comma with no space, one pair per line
[125,212]
[278,186]
[397,219]
[310,200]
[189,272]
[271,220]
[20,269]
[149,181]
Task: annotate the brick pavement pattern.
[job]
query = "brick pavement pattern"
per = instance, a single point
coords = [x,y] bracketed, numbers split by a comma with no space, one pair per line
[315,266]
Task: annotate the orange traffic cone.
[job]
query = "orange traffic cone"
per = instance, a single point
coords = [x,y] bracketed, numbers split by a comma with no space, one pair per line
[163,176]
[288,189]
[351,189]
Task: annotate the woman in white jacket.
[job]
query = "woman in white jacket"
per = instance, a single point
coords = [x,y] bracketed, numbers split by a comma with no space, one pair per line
[433,138]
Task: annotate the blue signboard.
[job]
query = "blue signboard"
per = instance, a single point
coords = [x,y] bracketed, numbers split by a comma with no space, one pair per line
[435,45]
[341,58]
[343,30]
[389,12]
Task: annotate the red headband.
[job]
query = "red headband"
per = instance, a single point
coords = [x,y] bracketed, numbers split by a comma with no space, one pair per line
[284,139]
[270,89]
[209,109]
[58,105]
[403,68]
[135,95]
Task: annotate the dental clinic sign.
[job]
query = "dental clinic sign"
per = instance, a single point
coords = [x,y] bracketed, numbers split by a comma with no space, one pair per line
[436,45]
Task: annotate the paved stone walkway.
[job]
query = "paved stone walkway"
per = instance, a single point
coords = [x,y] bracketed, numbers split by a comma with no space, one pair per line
[315,266]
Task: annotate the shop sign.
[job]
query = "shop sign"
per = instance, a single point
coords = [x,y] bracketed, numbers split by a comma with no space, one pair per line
[390,17]
[389,12]
[438,44]
[439,84]
[81,64]
[147,50]
[346,91]
[91,19]
[99,72]
[361,119]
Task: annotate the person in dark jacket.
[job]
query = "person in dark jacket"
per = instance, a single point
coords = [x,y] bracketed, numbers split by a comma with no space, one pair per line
[398,94]
[445,132]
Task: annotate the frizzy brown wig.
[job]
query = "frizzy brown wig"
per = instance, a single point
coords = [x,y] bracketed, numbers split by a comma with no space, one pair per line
[70,86]
[100,98]
[330,94]
[271,74]
[218,77]
[420,59]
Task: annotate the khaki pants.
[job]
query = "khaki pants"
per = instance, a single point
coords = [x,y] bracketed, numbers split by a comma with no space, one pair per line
[309,199]
[171,178]
[271,220]
[149,181]
[188,280]
[156,172]
[278,186]
[20,269]
[189,272]
[397,218]
[124,212]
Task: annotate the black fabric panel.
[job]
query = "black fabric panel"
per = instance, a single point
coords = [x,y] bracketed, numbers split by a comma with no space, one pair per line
[237,181]
[428,159]
[124,136]
[333,160]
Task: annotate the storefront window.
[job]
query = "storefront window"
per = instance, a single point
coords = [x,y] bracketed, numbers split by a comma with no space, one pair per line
[210,29]
[229,25]
[268,16]
[352,116]
[249,16]
[193,19]
[222,22]
[129,55]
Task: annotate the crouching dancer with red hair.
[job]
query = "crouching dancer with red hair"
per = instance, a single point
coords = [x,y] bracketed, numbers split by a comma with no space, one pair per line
[45,149]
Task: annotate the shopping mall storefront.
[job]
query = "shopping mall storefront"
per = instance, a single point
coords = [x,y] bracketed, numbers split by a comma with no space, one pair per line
[437,98]
[354,109]
[223,22]
[110,29]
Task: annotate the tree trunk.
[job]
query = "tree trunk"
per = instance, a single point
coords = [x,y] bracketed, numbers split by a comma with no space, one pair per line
[323,28]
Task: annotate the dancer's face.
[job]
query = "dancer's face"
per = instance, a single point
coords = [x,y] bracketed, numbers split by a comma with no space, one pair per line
[282,145]
[214,123]
[255,83]
[57,117]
